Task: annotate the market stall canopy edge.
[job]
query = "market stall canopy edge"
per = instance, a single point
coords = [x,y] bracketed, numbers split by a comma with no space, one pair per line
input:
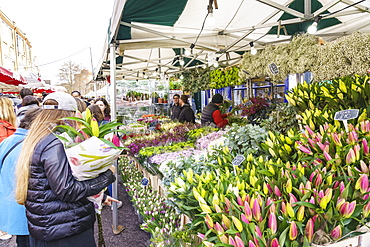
[153,36]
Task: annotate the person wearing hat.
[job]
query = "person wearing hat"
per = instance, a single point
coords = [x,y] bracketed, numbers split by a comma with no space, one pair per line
[57,208]
[212,114]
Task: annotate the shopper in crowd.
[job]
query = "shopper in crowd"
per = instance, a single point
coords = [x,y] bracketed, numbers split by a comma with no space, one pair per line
[7,118]
[77,94]
[23,93]
[211,113]
[57,208]
[81,105]
[97,114]
[186,113]
[13,216]
[175,108]
[28,102]
[104,106]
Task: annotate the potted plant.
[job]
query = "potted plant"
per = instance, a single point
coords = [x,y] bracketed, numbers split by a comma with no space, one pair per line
[165,98]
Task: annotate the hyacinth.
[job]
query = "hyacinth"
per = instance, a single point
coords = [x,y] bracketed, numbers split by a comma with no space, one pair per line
[203,142]
[165,157]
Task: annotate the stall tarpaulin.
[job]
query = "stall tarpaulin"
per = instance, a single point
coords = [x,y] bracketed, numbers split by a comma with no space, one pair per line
[7,77]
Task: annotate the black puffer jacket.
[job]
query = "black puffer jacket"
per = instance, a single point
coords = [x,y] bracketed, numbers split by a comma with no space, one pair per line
[56,205]
[186,114]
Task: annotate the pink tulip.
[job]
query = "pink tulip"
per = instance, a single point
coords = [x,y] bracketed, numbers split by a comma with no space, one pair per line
[277,191]
[275,243]
[327,156]
[258,232]
[116,141]
[201,235]
[256,211]
[365,146]
[311,142]
[362,183]
[351,156]
[293,231]
[318,180]
[218,228]
[357,150]
[321,146]
[247,211]
[313,174]
[239,242]
[251,244]
[240,201]
[336,233]
[310,227]
[283,209]
[352,137]
[309,130]
[292,199]
[228,204]
[367,195]
[244,219]
[209,221]
[336,139]
[366,210]
[208,244]
[364,168]
[340,202]
[232,241]
[272,223]
[302,188]
[304,149]
[347,209]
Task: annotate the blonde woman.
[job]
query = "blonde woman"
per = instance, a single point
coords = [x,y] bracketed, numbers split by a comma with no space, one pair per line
[7,118]
[57,208]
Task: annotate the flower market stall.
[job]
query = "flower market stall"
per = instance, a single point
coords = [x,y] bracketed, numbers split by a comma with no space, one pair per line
[303,181]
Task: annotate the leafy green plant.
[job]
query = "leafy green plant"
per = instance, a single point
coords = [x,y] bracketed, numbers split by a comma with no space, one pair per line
[195,79]
[281,119]
[245,139]
[224,77]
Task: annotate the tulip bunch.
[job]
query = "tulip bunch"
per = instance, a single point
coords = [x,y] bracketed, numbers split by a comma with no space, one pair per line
[160,218]
[318,102]
[322,190]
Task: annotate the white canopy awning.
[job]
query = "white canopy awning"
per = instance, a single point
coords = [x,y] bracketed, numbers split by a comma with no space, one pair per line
[147,34]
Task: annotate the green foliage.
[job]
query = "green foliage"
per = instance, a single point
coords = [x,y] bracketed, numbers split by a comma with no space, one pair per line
[281,119]
[196,79]
[175,83]
[195,134]
[149,151]
[245,139]
[346,56]
[318,102]
[224,77]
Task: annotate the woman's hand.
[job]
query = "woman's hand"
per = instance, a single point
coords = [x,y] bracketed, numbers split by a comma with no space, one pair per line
[113,169]
[109,201]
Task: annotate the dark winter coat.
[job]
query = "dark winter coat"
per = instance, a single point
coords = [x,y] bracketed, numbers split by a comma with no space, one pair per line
[175,111]
[207,113]
[57,204]
[186,114]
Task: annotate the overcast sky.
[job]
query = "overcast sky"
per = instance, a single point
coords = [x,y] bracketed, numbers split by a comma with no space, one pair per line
[57,29]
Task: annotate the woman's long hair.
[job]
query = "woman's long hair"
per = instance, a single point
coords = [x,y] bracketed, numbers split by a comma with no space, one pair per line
[40,127]
[7,111]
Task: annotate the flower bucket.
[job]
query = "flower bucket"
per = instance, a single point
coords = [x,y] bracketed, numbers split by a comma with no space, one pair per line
[361,240]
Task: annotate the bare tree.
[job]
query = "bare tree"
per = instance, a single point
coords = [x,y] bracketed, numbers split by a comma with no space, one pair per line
[67,74]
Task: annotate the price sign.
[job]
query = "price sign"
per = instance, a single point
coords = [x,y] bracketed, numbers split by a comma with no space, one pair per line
[144,181]
[346,114]
[238,160]
[273,68]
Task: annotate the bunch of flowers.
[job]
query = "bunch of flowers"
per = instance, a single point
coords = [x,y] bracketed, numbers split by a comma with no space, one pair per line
[170,133]
[160,218]
[166,157]
[149,151]
[252,106]
[204,142]
[198,133]
[90,148]
[320,197]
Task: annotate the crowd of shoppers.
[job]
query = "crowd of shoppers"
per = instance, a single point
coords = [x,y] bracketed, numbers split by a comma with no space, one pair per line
[42,203]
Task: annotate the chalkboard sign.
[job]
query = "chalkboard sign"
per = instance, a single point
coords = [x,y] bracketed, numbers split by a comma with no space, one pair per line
[346,114]
[238,160]
[145,181]
[273,69]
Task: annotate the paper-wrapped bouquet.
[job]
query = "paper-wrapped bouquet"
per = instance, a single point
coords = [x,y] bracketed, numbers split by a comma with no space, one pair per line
[91,149]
